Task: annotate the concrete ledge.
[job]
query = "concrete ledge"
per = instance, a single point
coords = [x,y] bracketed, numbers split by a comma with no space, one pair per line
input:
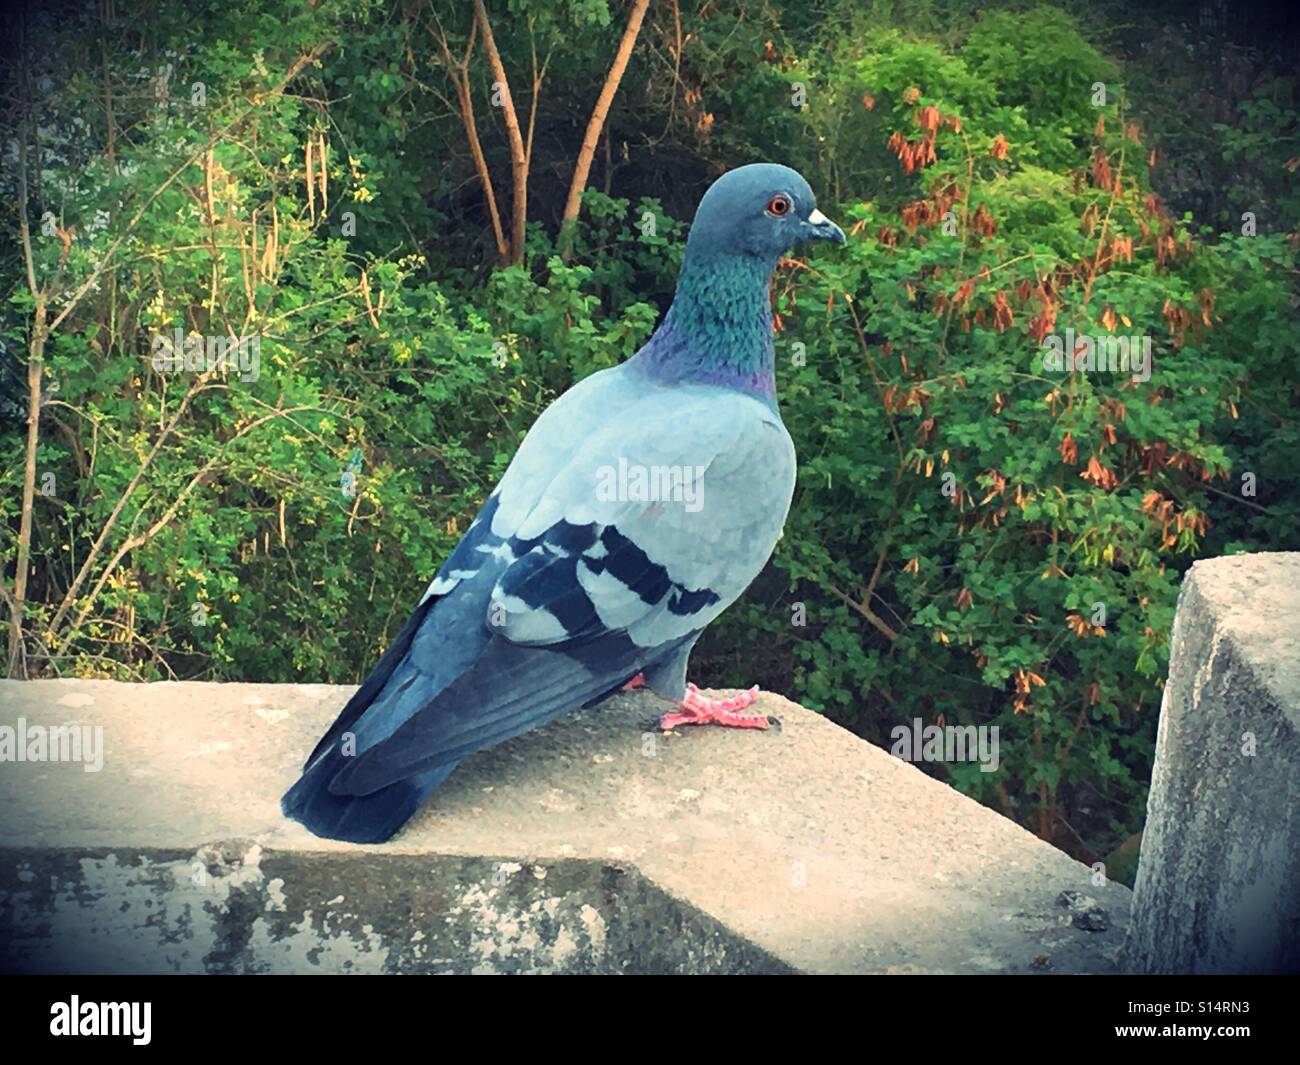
[588,846]
[1218,884]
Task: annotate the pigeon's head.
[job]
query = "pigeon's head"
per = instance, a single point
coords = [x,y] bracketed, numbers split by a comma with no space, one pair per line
[761,210]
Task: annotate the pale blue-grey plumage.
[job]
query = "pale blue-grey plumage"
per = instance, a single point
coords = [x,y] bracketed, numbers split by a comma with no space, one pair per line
[563,589]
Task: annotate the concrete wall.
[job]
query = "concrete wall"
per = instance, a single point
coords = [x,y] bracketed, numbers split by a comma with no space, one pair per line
[590,845]
[1218,884]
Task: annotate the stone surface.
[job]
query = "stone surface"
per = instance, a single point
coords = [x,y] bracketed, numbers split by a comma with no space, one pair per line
[1218,884]
[589,845]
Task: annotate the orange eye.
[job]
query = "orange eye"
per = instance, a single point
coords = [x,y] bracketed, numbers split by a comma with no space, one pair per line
[779,206]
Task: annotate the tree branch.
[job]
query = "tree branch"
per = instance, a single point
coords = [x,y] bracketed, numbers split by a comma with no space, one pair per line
[862,608]
[582,167]
[518,155]
[35,362]
[458,71]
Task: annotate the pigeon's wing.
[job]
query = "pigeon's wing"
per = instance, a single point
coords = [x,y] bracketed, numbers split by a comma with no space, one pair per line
[446,634]
[653,526]
[653,523]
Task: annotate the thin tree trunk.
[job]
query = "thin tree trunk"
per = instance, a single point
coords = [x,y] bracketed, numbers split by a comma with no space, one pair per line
[582,168]
[35,362]
[459,74]
[518,154]
[538,77]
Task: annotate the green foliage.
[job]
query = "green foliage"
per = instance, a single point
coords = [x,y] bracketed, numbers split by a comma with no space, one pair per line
[961,511]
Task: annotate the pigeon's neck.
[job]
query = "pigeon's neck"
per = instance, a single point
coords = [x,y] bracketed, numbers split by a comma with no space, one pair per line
[719,328]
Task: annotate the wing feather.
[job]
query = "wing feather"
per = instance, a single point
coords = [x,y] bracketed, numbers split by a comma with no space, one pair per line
[572,588]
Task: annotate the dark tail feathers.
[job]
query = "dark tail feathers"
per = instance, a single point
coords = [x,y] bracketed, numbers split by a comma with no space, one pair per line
[371,818]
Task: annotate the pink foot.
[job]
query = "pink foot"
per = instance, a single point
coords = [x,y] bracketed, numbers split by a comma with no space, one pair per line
[696,709]
[636,682]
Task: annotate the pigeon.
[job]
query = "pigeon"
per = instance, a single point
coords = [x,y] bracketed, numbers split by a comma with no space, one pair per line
[641,504]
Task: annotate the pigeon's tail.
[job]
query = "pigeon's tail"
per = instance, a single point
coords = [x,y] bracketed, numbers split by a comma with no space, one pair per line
[371,818]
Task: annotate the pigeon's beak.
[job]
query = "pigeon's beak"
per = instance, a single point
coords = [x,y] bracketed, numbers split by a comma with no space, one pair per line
[819,227]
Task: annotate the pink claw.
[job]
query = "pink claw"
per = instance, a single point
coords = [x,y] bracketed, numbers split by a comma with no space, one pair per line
[697,709]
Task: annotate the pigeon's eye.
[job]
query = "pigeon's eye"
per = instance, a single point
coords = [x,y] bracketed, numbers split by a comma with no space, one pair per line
[779,205]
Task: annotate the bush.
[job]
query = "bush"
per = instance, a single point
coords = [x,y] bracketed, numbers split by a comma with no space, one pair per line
[974,538]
